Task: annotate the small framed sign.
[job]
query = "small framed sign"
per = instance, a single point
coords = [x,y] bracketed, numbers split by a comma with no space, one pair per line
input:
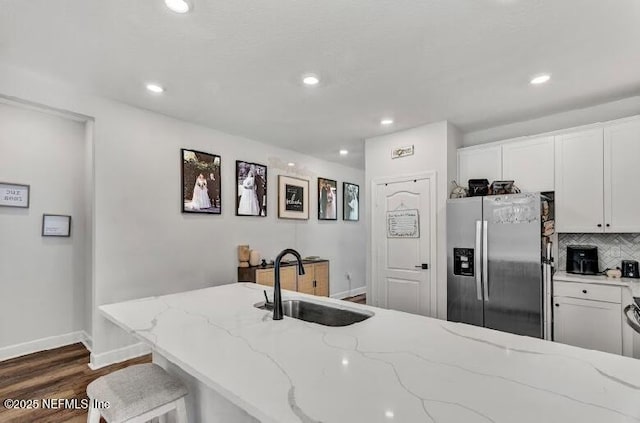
[14,195]
[403,224]
[293,198]
[399,152]
[56,225]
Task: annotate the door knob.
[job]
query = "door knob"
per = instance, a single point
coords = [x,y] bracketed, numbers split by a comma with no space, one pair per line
[423,266]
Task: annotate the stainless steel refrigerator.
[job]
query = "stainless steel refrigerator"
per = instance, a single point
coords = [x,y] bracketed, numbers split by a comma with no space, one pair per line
[499,262]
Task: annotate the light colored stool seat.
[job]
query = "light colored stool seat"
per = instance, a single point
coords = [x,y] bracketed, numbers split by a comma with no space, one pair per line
[137,394]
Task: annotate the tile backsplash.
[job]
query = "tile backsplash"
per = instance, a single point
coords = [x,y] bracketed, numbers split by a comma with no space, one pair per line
[608,245]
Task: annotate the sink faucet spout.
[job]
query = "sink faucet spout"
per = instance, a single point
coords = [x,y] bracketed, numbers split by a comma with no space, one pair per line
[277,292]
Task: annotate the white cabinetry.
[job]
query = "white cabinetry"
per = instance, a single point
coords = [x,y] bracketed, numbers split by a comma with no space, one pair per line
[530,163]
[588,316]
[484,162]
[579,181]
[622,177]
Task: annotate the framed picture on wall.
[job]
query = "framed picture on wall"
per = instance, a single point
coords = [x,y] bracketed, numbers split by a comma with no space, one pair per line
[201,184]
[14,195]
[251,189]
[56,225]
[327,199]
[293,198]
[350,201]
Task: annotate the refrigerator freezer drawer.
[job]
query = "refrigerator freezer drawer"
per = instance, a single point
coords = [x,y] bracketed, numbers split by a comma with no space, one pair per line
[587,291]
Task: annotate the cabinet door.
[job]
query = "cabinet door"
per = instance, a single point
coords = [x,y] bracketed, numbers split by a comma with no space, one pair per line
[322,279]
[265,277]
[289,278]
[530,164]
[305,282]
[621,177]
[588,324]
[579,182]
[479,163]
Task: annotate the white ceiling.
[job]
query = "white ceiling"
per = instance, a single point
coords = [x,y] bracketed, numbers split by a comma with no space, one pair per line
[235,65]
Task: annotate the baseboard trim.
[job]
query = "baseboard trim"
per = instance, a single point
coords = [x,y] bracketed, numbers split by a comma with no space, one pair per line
[44,344]
[351,293]
[101,360]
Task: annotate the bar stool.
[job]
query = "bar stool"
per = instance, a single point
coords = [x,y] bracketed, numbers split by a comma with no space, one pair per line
[136,394]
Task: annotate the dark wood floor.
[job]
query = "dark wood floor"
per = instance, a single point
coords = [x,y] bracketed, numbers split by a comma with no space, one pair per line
[360,299]
[60,373]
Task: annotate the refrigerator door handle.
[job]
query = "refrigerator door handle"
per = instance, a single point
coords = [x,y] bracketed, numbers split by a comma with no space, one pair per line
[477,259]
[485,259]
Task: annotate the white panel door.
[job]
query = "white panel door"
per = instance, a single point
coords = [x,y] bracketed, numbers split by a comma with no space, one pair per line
[622,177]
[579,169]
[530,164]
[479,163]
[595,325]
[402,282]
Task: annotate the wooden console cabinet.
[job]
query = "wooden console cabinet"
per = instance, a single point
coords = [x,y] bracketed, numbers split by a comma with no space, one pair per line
[315,281]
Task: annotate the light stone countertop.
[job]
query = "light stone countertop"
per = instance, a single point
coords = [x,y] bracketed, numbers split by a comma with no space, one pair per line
[393,367]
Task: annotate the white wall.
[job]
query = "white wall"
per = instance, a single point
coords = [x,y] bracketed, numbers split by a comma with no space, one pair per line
[42,279]
[143,245]
[435,147]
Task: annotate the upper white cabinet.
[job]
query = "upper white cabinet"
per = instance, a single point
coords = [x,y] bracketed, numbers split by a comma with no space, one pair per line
[621,177]
[483,162]
[579,181]
[530,163]
[594,173]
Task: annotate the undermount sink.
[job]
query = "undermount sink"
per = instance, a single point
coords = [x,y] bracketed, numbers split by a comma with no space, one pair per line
[319,313]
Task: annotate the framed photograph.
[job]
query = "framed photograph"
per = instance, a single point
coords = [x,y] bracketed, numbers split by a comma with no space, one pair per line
[201,187]
[251,189]
[14,195]
[56,225]
[327,199]
[350,201]
[293,198]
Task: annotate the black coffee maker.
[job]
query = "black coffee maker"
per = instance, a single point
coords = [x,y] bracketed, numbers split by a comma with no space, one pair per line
[582,259]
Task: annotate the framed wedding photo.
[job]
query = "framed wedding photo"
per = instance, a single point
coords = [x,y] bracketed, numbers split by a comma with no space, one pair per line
[327,199]
[14,195]
[350,202]
[293,198]
[201,184]
[251,189]
[56,225]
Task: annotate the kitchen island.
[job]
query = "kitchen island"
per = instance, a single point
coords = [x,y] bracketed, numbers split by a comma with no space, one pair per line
[392,367]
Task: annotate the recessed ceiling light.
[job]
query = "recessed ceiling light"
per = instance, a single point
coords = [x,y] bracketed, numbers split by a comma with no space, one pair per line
[310,79]
[291,164]
[389,414]
[178,6]
[386,121]
[344,152]
[155,88]
[540,79]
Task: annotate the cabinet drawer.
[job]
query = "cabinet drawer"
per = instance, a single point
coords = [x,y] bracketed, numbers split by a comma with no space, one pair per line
[587,291]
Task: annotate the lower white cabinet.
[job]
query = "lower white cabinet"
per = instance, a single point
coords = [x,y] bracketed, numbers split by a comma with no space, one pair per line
[583,320]
[588,324]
